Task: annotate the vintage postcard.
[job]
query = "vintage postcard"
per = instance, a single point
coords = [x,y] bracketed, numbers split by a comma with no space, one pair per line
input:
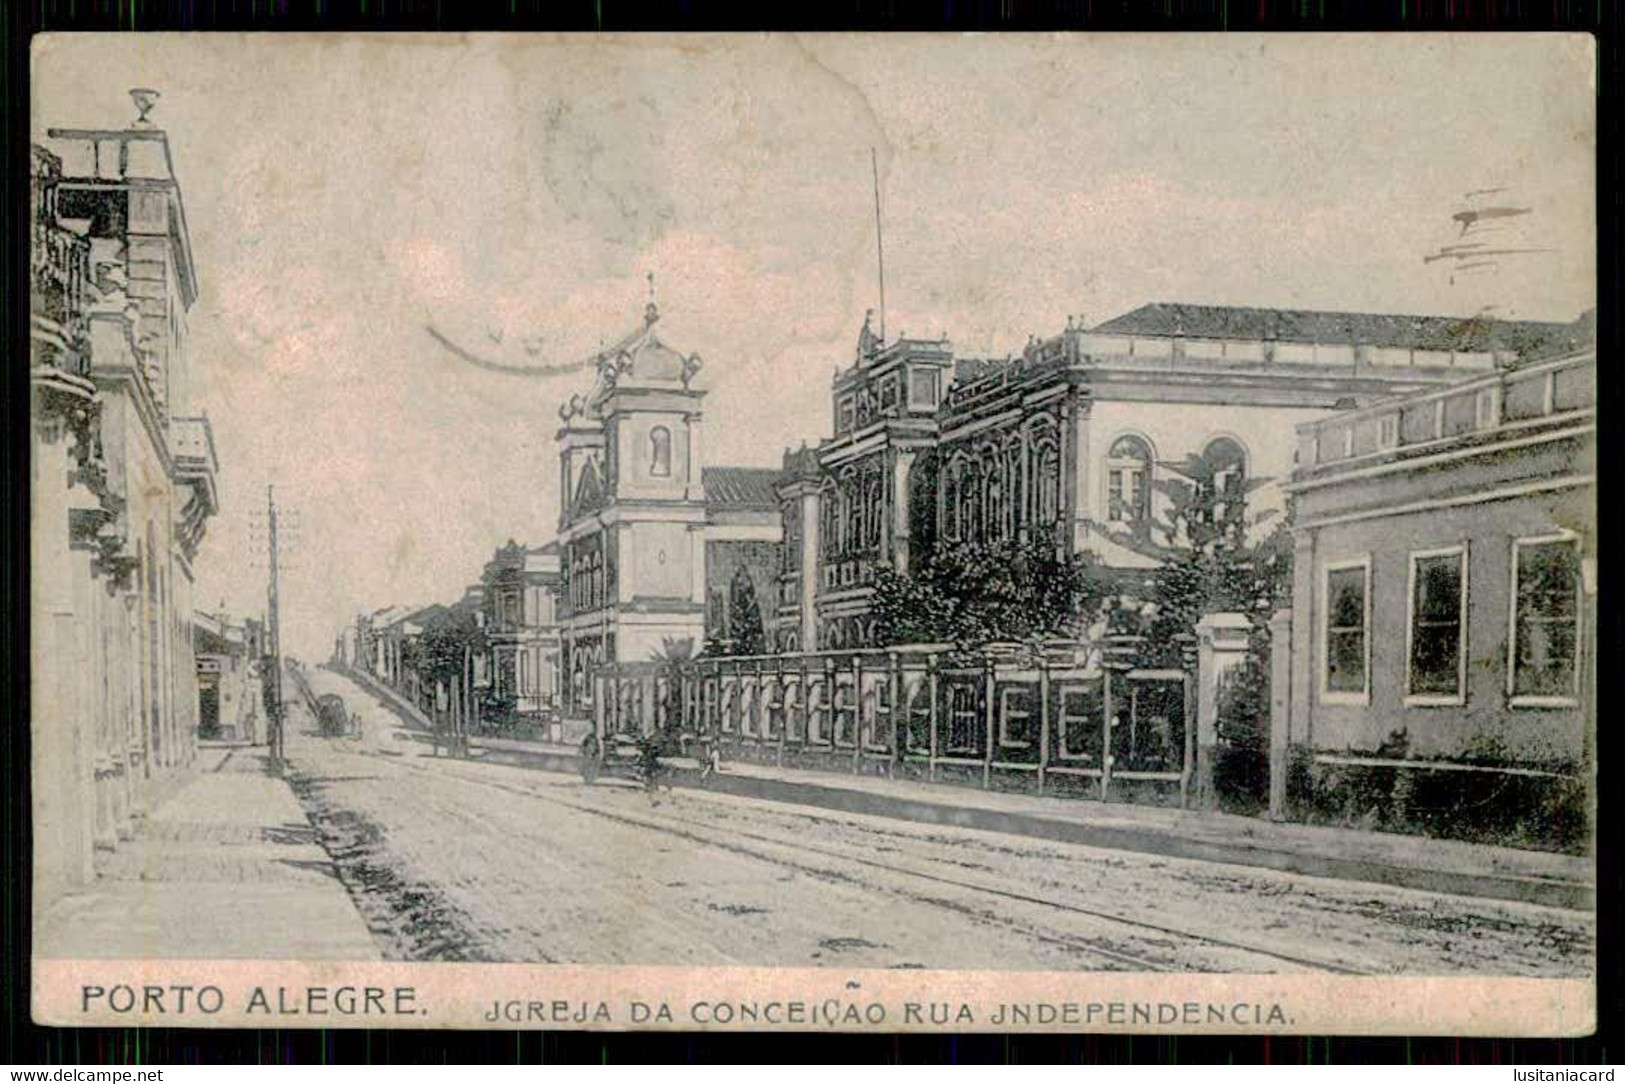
[1069,532]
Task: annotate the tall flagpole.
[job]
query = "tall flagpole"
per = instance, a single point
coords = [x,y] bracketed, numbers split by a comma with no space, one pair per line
[880,244]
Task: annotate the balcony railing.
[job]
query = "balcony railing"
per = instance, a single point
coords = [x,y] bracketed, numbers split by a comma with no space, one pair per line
[58,299]
[191,444]
[1506,399]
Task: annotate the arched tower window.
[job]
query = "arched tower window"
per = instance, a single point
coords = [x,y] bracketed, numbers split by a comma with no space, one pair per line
[1225,479]
[660,452]
[1128,480]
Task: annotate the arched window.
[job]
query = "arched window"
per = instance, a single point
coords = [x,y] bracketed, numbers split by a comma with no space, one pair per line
[660,452]
[950,500]
[877,508]
[1049,484]
[852,500]
[1224,480]
[1128,480]
[1016,500]
[970,503]
[997,494]
[829,519]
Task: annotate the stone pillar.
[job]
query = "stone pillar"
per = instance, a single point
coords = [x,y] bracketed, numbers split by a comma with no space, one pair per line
[902,467]
[697,586]
[133,707]
[1280,709]
[103,612]
[1304,665]
[811,524]
[694,489]
[80,725]
[1221,643]
[1076,506]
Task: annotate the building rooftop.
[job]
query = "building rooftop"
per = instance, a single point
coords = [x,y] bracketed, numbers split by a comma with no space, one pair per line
[1553,393]
[1346,328]
[740,489]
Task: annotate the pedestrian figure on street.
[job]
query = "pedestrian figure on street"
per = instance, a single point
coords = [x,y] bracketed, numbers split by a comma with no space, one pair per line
[650,768]
[710,759]
[591,752]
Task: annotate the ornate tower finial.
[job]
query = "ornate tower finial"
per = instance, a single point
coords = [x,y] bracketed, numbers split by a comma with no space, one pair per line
[868,341]
[144,100]
[651,313]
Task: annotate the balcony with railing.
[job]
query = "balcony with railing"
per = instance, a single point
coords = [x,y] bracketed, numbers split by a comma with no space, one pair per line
[1499,403]
[59,279]
[191,446]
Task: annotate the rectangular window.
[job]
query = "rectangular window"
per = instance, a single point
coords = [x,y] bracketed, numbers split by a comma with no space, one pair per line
[1347,609]
[1545,650]
[1438,626]
[922,389]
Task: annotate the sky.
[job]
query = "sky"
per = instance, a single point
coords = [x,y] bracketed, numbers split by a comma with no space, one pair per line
[346,193]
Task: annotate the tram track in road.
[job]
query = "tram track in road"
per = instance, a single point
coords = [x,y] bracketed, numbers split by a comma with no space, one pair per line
[749,844]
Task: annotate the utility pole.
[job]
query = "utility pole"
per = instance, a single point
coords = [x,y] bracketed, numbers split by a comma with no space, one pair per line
[273,634]
[880,243]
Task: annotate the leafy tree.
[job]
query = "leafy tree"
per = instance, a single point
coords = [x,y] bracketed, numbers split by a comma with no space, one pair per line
[745,617]
[1212,560]
[438,652]
[1202,540]
[673,659]
[970,594]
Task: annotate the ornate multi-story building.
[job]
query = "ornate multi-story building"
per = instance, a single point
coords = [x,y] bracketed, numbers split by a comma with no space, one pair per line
[1069,438]
[519,598]
[123,483]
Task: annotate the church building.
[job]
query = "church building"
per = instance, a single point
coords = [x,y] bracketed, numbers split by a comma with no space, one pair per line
[645,526]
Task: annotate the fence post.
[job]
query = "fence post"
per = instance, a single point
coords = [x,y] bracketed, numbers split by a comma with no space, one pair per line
[988,707]
[1280,708]
[1043,720]
[1187,684]
[897,747]
[857,712]
[1221,643]
[599,708]
[931,676]
[1105,731]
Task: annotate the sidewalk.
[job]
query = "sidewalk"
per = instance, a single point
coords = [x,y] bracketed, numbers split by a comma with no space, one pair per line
[1404,861]
[227,866]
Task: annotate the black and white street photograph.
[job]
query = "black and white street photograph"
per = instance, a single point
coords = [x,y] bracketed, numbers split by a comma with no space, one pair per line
[890,506]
